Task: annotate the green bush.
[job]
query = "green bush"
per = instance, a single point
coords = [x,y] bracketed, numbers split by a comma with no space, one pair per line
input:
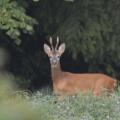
[13,19]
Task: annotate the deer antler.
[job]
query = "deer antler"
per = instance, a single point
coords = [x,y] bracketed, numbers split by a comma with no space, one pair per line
[57,43]
[51,43]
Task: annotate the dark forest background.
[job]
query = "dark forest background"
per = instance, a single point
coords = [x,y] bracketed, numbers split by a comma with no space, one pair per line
[90,29]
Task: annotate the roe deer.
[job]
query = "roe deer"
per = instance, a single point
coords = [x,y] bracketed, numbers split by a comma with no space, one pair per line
[66,83]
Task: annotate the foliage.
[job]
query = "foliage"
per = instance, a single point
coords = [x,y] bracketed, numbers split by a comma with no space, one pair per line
[92,27]
[93,31]
[14,22]
[13,19]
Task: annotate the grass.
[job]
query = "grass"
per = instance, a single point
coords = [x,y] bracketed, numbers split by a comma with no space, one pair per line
[79,107]
[44,105]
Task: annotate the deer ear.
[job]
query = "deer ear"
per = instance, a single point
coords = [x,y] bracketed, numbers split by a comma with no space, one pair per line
[47,50]
[61,48]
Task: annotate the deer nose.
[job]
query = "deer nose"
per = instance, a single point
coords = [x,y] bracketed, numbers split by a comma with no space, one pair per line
[54,61]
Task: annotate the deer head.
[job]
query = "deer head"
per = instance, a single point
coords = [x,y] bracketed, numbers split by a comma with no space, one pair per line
[54,53]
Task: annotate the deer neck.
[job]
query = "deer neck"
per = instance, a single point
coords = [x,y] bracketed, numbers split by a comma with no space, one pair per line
[56,72]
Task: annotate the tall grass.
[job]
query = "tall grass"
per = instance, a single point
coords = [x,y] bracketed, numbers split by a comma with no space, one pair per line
[44,105]
[80,107]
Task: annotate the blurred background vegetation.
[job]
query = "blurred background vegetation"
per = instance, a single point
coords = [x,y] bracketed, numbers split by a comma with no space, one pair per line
[90,29]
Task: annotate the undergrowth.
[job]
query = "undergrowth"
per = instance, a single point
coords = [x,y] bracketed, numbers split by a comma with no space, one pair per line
[44,105]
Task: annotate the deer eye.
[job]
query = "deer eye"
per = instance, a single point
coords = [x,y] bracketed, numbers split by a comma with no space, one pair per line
[58,57]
